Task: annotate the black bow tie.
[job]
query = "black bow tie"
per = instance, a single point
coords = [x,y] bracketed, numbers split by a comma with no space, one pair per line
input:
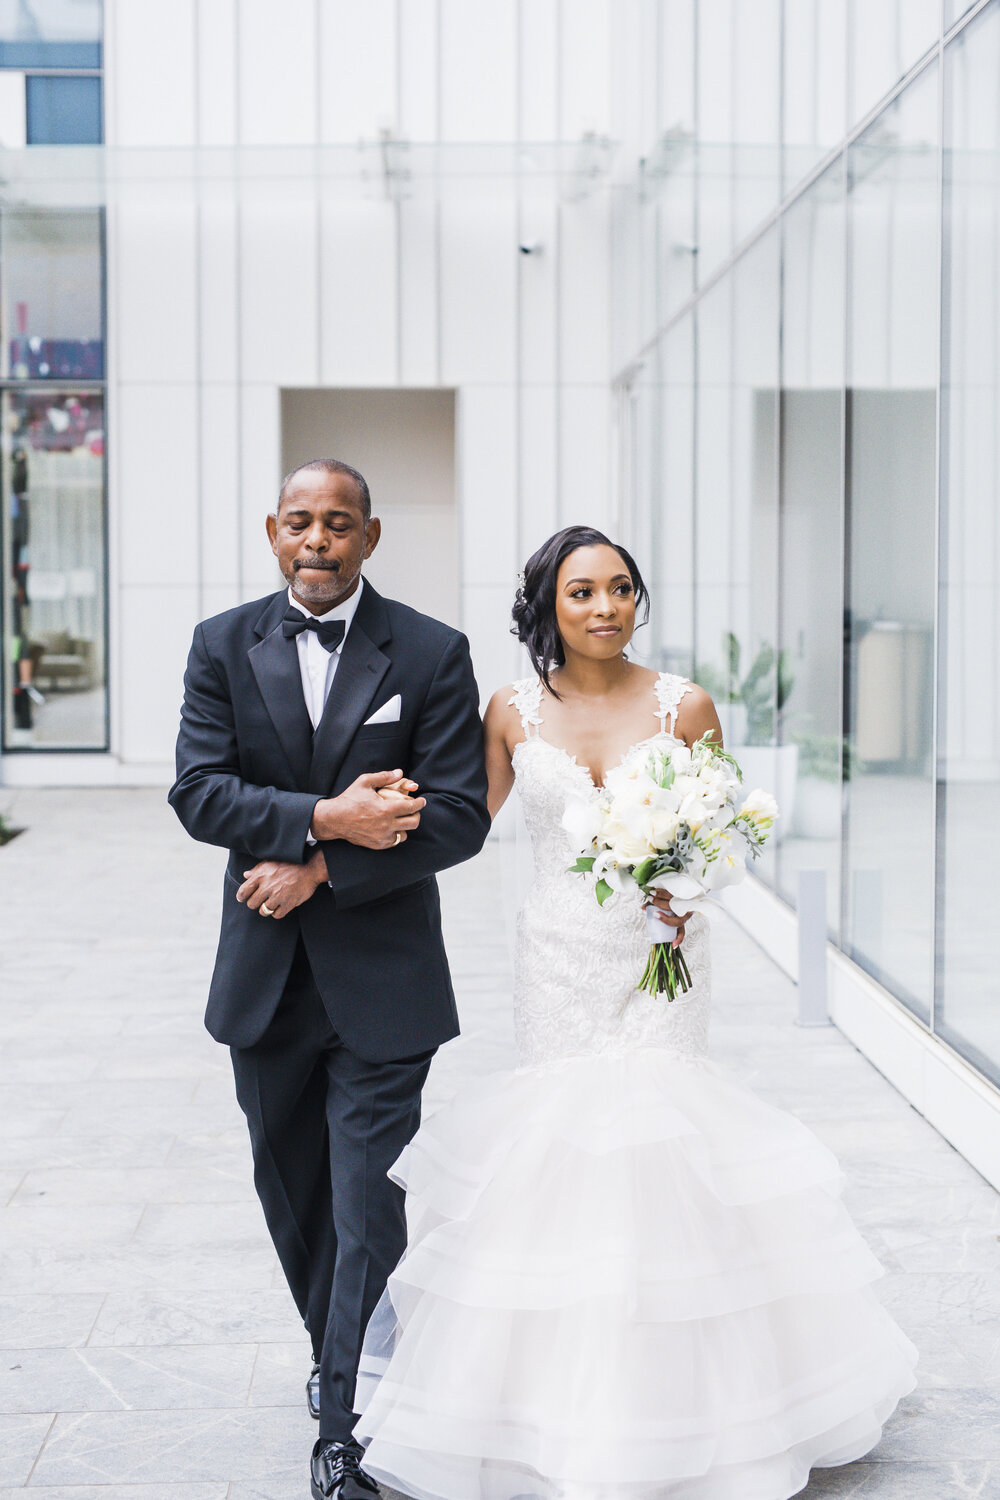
[330,632]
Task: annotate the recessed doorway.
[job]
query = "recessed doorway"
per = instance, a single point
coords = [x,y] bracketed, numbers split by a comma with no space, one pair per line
[403,442]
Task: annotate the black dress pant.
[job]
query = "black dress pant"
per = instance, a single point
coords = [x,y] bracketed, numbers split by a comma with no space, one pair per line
[325,1127]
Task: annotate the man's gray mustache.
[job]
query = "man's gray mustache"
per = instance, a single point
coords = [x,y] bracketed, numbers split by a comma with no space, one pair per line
[315,562]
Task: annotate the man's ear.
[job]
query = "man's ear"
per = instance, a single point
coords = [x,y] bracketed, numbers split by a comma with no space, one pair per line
[272,533]
[372,533]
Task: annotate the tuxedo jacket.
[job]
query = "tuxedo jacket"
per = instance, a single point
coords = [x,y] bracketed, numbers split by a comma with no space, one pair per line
[250,770]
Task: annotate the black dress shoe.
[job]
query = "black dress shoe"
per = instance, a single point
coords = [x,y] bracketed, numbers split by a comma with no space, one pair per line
[312,1392]
[336,1472]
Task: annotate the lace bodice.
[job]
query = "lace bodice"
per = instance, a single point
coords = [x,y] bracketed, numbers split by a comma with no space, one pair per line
[577,964]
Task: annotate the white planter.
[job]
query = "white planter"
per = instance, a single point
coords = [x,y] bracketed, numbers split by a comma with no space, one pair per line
[817,808]
[774,768]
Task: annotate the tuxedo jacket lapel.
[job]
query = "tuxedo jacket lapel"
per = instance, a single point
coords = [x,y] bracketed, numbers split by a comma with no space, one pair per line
[361,669]
[275,663]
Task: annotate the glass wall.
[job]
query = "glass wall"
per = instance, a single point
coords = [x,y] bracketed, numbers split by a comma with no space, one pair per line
[52,480]
[814,479]
[50,73]
[968,1011]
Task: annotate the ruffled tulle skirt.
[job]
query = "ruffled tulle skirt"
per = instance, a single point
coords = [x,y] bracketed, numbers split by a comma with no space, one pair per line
[628,1278]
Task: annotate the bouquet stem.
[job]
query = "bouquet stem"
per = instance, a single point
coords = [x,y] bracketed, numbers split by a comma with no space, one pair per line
[666,972]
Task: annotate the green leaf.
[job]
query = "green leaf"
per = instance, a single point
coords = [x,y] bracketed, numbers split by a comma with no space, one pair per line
[584,865]
[603,891]
[642,872]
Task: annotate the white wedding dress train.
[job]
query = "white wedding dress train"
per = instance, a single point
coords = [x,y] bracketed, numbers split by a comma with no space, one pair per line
[627,1277]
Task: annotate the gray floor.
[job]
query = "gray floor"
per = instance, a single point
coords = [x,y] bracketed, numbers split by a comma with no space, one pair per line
[150,1348]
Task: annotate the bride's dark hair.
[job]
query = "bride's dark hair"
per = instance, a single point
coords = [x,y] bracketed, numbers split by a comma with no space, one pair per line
[534,609]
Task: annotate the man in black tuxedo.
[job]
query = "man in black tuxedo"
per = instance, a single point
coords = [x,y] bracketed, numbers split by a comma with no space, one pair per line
[302,711]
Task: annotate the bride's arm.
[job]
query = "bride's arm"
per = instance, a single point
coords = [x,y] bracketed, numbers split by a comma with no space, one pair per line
[500,722]
[696,716]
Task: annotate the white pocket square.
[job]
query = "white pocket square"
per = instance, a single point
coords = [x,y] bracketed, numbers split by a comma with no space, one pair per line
[388,713]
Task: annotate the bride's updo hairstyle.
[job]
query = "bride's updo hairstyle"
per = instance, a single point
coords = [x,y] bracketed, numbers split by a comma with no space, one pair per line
[534,609]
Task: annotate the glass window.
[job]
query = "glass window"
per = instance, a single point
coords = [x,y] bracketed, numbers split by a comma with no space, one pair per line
[53,536]
[968,1013]
[893,349]
[887,38]
[815,72]
[51,308]
[754,677]
[811,579]
[50,33]
[63,111]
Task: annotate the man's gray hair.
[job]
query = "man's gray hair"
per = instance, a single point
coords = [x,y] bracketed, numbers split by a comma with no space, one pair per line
[331,466]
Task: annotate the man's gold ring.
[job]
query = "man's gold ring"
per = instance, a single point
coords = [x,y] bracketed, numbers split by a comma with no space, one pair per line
[399,839]
[265,910]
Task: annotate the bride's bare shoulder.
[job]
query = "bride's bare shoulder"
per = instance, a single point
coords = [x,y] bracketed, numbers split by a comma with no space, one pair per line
[502,718]
[696,714]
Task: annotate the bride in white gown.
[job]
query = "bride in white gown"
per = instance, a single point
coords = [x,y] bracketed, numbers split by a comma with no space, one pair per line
[627,1278]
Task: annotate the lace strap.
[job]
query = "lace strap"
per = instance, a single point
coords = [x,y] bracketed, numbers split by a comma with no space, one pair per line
[670,689]
[527,699]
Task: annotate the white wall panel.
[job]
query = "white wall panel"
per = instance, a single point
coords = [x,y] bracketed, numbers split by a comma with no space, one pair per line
[585,82]
[487,484]
[478,278]
[218,287]
[586,494]
[358,295]
[584,272]
[157,488]
[219,477]
[419,312]
[152,668]
[279,311]
[217,58]
[537,287]
[538,468]
[496,655]
[418,80]
[278,67]
[478,67]
[357,61]
[151,86]
[538,48]
[260,477]
[153,290]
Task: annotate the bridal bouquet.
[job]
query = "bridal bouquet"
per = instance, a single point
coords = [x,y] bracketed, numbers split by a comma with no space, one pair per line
[669,818]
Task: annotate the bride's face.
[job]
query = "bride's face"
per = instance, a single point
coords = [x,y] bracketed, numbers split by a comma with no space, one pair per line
[595,603]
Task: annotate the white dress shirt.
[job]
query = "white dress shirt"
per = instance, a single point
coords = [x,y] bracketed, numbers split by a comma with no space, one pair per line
[317,665]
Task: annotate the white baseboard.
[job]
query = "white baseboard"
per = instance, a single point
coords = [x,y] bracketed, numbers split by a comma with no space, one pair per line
[52,769]
[962,1105]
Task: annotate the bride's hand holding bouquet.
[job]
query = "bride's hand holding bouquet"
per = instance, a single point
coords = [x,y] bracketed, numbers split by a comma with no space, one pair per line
[670,818]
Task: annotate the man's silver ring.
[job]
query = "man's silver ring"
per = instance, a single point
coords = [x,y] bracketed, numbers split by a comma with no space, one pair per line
[399,839]
[265,910]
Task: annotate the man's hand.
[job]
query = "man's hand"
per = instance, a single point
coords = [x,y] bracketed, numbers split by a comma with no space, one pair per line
[361,816]
[281,887]
[661,900]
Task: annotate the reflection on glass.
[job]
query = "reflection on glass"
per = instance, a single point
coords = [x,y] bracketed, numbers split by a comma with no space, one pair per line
[50,33]
[815,69]
[52,297]
[887,38]
[53,513]
[891,463]
[969,663]
[758,680]
[811,581]
[63,111]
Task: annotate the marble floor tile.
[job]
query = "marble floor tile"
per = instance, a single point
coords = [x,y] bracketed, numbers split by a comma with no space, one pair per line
[943,1424]
[221,1315]
[120,1184]
[130,1447]
[155,1491]
[280,1373]
[904,1481]
[47,1319]
[130,1378]
[21,1439]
